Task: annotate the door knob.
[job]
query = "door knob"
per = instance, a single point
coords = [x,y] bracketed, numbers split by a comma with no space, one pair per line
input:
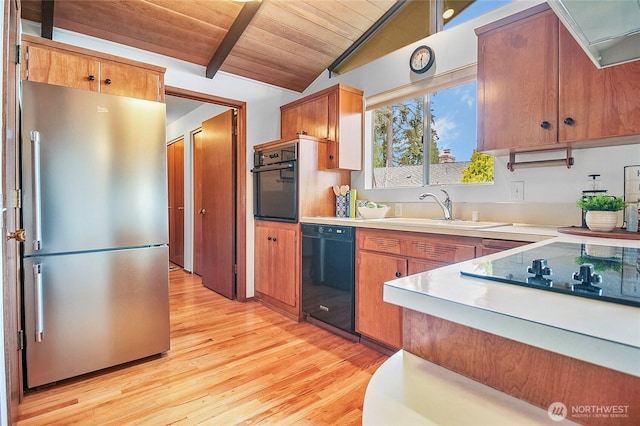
[203,211]
[180,208]
[18,235]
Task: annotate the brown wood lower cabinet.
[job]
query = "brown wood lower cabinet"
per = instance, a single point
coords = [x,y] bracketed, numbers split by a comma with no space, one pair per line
[375,318]
[277,266]
[387,255]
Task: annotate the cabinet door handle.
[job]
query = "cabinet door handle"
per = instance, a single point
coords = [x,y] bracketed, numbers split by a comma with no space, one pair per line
[269,238]
[545,125]
[91,78]
[568,121]
[398,274]
[107,81]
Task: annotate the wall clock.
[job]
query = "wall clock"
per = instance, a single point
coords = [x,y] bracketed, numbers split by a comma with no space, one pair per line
[421,59]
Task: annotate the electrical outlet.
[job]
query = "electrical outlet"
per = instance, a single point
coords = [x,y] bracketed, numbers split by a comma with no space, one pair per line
[397,212]
[517,191]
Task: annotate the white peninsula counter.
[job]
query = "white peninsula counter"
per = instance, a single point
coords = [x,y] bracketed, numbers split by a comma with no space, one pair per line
[602,333]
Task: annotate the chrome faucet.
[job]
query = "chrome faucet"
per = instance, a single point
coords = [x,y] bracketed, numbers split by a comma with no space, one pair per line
[446,205]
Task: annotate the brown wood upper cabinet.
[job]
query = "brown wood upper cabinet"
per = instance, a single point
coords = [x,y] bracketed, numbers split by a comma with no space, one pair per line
[47,61]
[537,89]
[334,114]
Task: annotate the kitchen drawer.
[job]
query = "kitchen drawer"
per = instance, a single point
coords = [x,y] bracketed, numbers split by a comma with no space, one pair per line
[380,243]
[439,250]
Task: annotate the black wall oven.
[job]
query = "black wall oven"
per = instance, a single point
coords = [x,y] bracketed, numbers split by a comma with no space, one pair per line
[275,183]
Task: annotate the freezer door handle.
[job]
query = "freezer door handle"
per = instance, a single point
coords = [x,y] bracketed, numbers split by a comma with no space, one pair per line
[39,302]
[35,173]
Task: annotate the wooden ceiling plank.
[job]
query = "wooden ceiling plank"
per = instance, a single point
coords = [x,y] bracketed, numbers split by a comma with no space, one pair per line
[286,19]
[345,24]
[191,52]
[279,59]
[152,29]
[270,76]
[372,9]
[351,18]
[245,16]
[291,41]
[219,13]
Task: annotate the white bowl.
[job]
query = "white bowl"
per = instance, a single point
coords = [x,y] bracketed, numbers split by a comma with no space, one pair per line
[373,212]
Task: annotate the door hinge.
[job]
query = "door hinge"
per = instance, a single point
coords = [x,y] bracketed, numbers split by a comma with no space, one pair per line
[20,340]
[18,53]
[15,199]
[235,268]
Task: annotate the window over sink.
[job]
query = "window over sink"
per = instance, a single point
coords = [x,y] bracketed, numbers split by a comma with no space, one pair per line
[429,139]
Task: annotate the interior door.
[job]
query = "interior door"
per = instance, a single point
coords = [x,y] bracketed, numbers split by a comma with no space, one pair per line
[215,204]
[198,157]
[175,162]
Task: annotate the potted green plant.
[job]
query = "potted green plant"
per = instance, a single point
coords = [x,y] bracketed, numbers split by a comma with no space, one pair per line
[601,211]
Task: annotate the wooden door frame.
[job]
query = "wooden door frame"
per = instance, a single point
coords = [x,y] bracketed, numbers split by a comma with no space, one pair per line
[241,180]
[11,290]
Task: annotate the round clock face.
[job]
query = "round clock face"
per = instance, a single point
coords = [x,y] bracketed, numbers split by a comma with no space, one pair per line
[421,59]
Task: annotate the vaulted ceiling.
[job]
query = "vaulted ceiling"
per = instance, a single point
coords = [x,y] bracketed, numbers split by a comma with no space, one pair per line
[285,43]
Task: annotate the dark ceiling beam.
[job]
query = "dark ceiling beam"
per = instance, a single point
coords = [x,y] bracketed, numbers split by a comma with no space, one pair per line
[233,35]
[46,27]
[393,11]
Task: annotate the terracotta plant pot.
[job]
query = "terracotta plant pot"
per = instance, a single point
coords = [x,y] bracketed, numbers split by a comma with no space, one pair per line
[602,221]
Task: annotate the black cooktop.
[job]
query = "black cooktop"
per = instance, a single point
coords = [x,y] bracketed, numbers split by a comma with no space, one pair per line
[607,273]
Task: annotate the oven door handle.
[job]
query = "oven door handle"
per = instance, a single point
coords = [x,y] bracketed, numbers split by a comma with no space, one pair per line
[289,165]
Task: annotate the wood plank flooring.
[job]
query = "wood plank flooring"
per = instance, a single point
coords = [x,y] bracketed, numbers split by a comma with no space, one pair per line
[230,363]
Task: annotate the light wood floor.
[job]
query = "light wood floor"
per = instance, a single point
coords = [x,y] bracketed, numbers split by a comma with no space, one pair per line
[230,363]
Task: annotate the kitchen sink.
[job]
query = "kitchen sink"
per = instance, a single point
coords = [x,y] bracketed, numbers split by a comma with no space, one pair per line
[442,223]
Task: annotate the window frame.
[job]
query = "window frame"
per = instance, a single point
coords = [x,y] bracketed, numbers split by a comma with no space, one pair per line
[423,88]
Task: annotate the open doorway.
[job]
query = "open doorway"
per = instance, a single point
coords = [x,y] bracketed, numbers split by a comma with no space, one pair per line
[240,176]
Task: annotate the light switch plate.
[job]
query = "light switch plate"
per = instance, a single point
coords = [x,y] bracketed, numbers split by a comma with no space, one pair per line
[517,191]
[397,211]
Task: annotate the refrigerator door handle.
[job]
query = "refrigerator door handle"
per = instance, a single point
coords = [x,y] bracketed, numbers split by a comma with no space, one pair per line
[39,311]
[35,171]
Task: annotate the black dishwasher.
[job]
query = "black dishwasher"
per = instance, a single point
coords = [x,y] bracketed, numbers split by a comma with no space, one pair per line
[328,275]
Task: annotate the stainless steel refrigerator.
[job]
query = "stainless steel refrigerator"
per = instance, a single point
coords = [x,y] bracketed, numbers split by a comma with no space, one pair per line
[94,206]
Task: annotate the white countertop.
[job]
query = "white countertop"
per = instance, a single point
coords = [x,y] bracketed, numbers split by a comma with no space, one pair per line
[601,333]
[408,390]
[519,232]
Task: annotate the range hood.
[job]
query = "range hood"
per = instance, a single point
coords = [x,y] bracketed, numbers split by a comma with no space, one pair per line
[608,31]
